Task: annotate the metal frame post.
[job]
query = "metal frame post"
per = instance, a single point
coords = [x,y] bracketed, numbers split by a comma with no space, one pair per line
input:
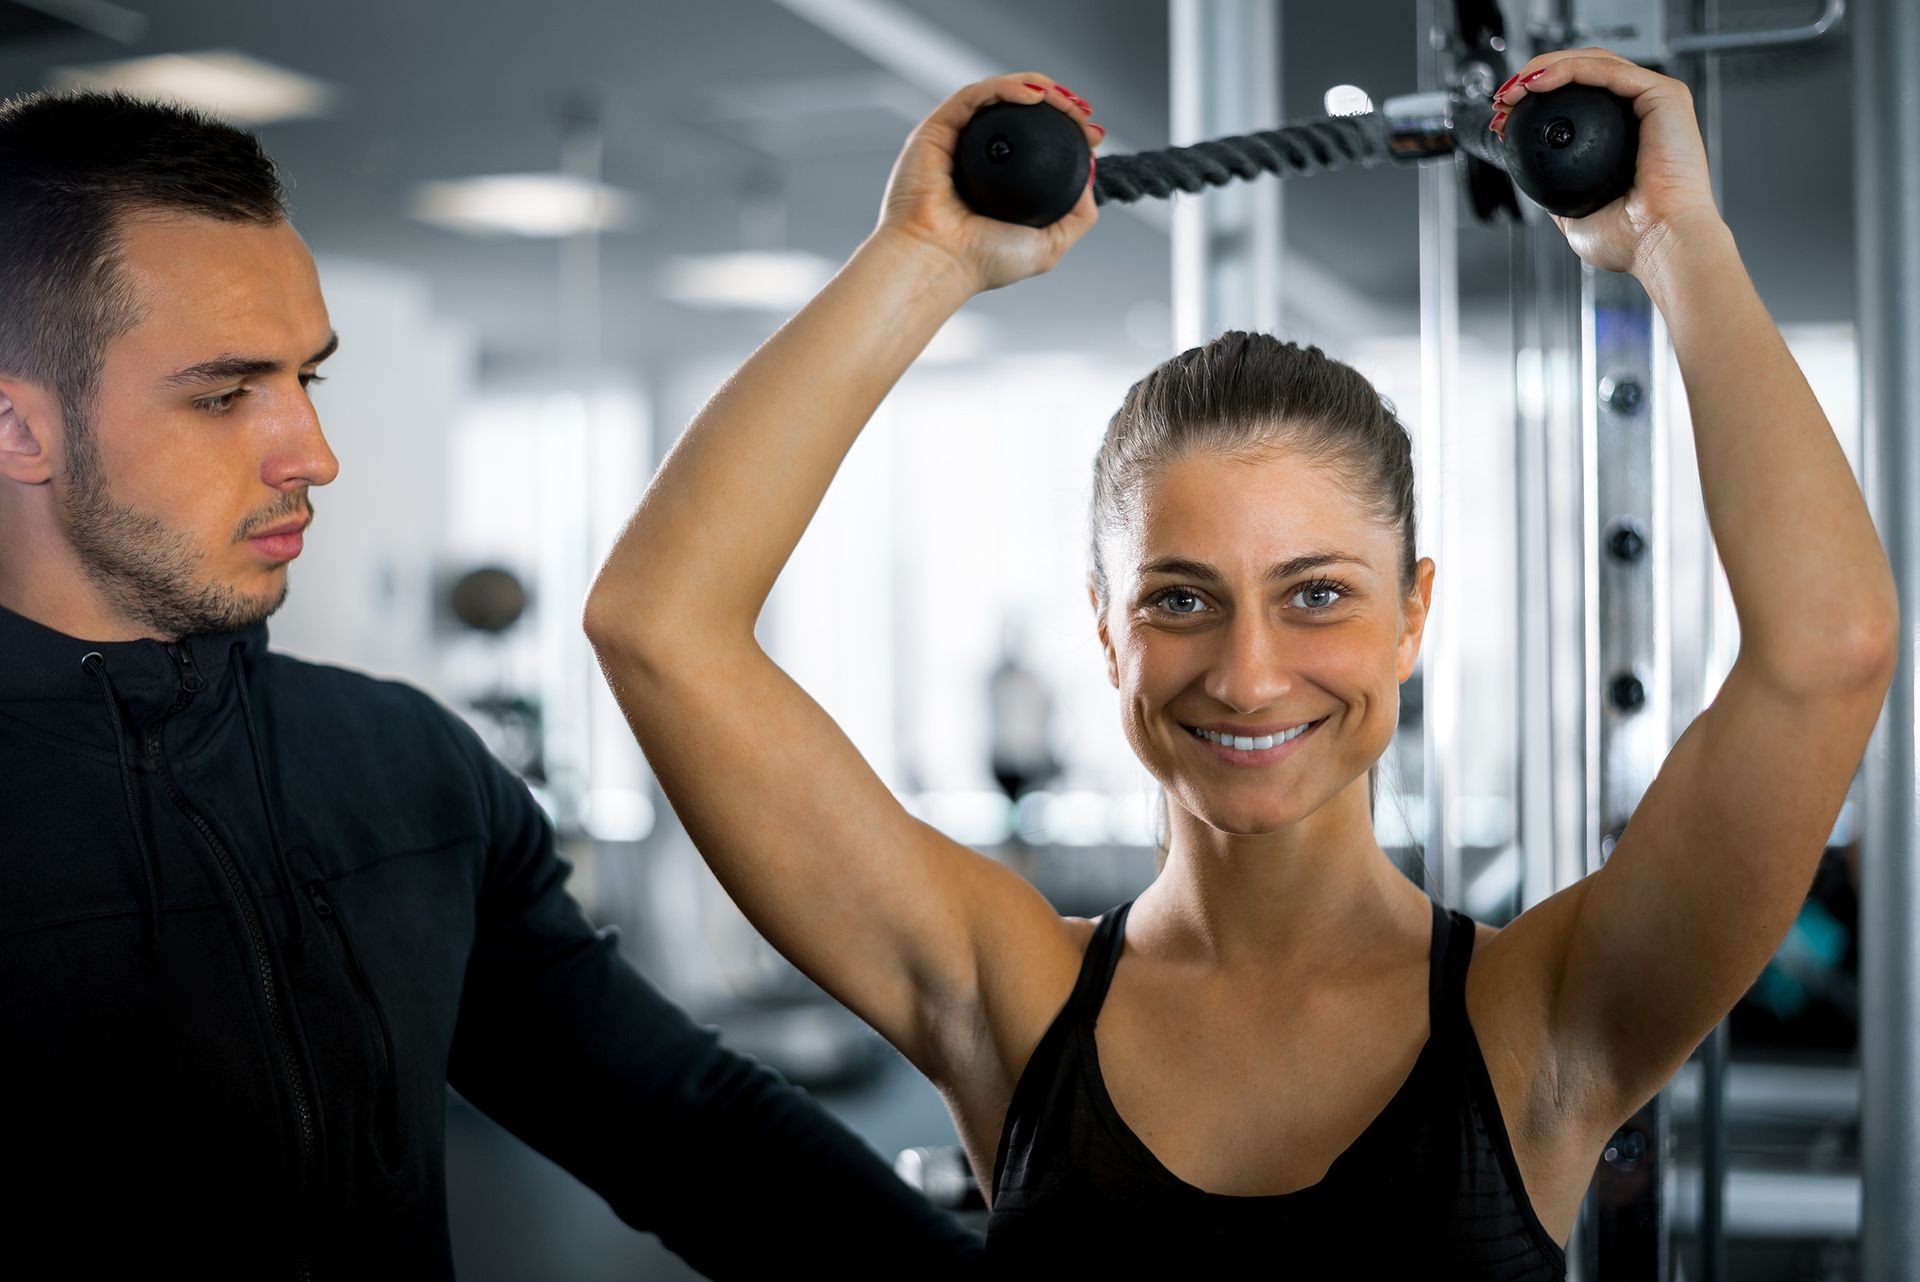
[1886,120]
[1225,80]
[1628,692]
[1439,363]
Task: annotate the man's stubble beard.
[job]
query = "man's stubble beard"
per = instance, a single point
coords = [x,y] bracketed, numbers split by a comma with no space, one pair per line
[147,570]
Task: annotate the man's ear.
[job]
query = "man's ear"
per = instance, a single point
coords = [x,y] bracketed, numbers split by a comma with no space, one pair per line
[26,414]
[1100,626]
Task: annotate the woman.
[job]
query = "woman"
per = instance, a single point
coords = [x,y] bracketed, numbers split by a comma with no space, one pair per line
[1294,1049]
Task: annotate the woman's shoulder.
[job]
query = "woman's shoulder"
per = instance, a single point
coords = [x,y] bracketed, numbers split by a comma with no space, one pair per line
[1028,992]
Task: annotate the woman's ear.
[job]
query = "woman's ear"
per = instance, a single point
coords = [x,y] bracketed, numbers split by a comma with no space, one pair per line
[1100,627]
[24,456]
[1413,617]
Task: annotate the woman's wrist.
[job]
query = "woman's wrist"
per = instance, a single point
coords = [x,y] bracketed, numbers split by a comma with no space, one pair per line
[1665,252]
[911,257]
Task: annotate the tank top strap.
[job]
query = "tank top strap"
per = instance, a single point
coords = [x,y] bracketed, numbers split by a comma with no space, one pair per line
[1097,966]
[1447,974]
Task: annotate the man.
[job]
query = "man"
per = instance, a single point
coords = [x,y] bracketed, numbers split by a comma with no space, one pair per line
[256,914]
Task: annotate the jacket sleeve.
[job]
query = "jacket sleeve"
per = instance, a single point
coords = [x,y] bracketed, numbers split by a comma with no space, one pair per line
[562,1042]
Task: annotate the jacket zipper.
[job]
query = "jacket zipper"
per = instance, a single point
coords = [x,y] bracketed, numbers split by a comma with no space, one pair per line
[191,684]
[385,1130]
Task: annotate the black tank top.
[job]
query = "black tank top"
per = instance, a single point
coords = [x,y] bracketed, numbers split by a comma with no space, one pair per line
[1429,1190]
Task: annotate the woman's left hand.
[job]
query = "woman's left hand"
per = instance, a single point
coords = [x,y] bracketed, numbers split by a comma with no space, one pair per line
[1671,195]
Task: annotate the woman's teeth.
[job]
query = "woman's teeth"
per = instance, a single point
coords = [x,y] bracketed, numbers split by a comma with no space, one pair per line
[1246,744]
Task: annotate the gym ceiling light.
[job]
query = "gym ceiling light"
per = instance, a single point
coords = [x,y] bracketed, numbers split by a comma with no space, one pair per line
[222,82]
[532,205]
[763,280]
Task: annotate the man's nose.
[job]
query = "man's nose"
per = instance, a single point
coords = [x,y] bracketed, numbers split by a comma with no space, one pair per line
[300,453]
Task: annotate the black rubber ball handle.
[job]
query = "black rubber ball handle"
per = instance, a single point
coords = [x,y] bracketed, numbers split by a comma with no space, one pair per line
[1021,163]
[1572,150]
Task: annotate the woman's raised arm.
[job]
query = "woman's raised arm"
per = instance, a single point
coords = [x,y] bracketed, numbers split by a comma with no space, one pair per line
[1637,962]
[892,918]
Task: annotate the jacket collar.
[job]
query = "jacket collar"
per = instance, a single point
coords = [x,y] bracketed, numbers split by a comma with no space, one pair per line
[40,666]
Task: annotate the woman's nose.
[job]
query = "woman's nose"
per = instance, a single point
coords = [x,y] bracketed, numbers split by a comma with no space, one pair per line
[1250,670]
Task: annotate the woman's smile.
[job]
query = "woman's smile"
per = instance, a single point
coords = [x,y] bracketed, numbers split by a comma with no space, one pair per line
[1252,750]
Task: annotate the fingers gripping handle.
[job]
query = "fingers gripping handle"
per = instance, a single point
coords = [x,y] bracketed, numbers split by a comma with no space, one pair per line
[1571,151]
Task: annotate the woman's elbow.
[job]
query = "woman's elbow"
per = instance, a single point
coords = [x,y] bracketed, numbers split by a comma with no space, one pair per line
[614,629]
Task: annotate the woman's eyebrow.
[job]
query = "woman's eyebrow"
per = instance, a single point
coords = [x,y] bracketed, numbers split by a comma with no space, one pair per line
[1284,570]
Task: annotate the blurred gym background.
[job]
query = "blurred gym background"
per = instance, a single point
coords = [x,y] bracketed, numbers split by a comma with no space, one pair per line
[547,233]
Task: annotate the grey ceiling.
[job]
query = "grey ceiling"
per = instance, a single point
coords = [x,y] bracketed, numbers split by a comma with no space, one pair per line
[691,93]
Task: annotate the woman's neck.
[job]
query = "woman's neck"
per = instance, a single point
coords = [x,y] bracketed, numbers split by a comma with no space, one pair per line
[1317,893]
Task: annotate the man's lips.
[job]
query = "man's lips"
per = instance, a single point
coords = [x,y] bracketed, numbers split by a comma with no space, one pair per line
[290,527]
[282,543]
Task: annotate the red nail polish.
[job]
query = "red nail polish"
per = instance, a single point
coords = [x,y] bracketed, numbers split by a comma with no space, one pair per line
[1536,75]
[1063,89]
[1503,88]
[1036,88]
[1499,118]
[1094,124]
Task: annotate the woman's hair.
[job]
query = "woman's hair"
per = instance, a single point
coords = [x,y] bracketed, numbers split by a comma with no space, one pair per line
[1252,395]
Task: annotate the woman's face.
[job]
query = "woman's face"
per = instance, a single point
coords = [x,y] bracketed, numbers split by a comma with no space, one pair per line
[1224,619]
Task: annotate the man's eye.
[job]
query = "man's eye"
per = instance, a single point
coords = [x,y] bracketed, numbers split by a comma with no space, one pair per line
[222,403]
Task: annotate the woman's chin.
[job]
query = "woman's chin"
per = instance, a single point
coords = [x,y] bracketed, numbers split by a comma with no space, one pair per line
[1258,819]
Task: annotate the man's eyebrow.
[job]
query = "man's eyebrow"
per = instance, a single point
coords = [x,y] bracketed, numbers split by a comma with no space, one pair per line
[1285,570]
[222,368]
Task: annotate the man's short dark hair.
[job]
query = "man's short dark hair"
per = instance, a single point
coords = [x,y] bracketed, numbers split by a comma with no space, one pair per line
[73,165]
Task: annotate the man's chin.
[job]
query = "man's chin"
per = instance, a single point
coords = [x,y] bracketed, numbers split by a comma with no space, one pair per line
[216,609]
[262,606]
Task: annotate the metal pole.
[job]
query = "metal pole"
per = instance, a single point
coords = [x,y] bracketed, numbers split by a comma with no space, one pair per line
[1716,1052]
[1225,64]
[1629,692]
[1439,363]
[1886,121]
[1713,1154]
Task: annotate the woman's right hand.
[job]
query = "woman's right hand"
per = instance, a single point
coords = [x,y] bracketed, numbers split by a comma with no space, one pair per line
[921,201]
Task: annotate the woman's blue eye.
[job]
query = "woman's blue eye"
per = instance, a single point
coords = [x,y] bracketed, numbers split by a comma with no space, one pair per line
[1177,594]
[1322,585]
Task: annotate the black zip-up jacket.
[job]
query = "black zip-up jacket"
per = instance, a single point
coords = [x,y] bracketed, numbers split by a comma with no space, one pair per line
[256,914]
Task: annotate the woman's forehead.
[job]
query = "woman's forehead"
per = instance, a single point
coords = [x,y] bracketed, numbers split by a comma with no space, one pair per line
[1211,505]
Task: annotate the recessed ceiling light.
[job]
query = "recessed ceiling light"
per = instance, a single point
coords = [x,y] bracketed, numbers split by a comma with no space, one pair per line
[525,205]
[767,280]
[224,82]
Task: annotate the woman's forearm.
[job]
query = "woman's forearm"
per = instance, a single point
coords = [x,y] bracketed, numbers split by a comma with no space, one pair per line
[735,493]
[1808,576]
